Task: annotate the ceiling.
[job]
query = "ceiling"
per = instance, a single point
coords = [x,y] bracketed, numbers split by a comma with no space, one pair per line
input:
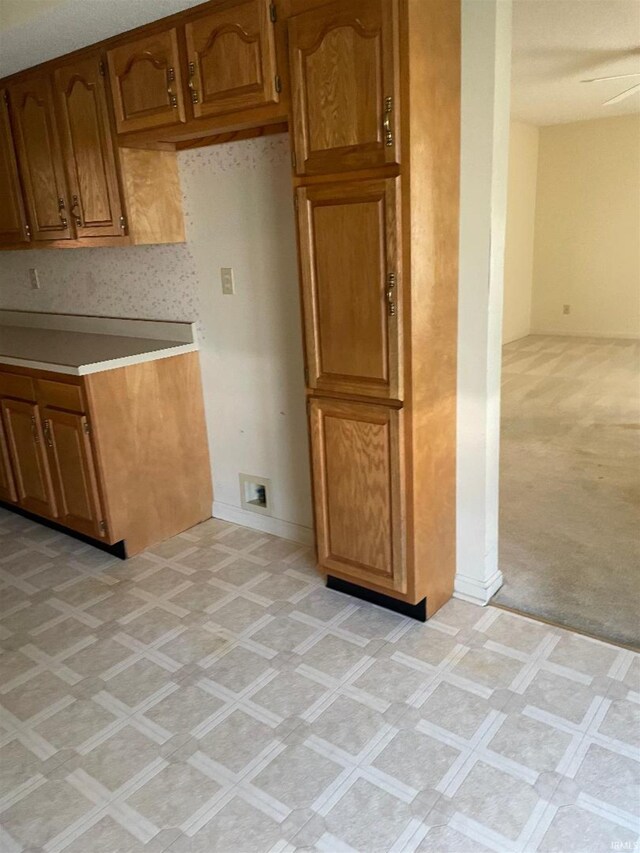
[558,43]
[32,31]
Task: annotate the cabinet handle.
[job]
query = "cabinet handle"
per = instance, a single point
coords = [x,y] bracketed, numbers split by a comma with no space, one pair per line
[34,429]
[78,216]
[47,432]
[391,283]
[191,85]
[386,123]
[173,98]
[63,218]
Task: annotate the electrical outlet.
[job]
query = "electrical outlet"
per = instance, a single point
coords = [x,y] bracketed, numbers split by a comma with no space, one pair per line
[566,309]
[226,277]
[34,278]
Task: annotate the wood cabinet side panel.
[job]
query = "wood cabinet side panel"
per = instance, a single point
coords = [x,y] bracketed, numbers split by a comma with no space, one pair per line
[153,197]
[431,242]
[151,446]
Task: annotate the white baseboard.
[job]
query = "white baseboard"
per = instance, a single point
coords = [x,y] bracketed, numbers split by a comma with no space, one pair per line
[477,591]
[264,523]
[586,334]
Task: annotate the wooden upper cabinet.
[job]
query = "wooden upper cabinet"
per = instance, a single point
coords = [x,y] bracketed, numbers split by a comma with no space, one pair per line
[351,286]
[88,149]
[13,221]
[26,449]
[358,491]
[344,86]
[232,60]
[146,82]
[40,158]
[74,476]
[7,486]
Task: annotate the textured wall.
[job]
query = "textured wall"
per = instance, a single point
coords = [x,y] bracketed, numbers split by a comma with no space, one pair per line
[587,251]
[239,214]
[518,250]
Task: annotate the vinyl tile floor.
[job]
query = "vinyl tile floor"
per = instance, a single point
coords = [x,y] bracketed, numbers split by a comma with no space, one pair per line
[212,695]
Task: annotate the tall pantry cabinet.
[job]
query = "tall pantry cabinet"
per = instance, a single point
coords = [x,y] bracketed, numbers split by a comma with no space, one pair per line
[375,126]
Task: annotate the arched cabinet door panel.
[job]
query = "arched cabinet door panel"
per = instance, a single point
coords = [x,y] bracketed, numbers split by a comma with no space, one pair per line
[146,83]
[231,59]
[13,220]
[88,149]
[344,86]
[40,159]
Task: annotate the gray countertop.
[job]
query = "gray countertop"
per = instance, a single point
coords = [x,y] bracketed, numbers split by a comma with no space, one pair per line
[94,344]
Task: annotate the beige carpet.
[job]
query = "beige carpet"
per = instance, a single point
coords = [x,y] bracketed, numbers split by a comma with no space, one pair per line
[570,483]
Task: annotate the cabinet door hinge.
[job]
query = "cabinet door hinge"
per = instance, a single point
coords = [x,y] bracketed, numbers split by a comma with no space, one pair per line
[103,527]
[306,375]
[123,224]
[295,201]
[293,159]
[278,83]
[86,428]
[273,14]
[101,68]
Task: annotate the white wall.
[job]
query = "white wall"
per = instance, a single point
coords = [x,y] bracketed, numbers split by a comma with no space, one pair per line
[486,67]
[239,213]
[519,240]
[587,224]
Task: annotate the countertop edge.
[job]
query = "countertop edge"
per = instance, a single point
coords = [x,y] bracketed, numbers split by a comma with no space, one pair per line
[99,366]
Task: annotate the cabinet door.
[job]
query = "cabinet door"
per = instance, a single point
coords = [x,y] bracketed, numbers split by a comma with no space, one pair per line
[40,159]
[74,476]
[343,80]
[232,61]
[7,486]
[358,491]
[145,83]
[351,286]
[88,149]
[28,457]
[13,222]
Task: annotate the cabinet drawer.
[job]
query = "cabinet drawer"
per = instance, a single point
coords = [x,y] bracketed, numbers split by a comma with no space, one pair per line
[15,385]
[60,395]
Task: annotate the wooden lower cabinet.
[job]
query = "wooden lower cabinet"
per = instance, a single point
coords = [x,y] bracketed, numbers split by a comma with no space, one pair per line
[358,491]
[7,485]
[74,475]
[28,457]
[106,454]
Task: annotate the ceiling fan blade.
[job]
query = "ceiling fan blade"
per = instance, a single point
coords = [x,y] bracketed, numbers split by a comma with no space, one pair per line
[612,77]
[622,95]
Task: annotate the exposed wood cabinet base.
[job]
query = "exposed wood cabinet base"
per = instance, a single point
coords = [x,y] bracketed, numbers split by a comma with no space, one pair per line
[120,457]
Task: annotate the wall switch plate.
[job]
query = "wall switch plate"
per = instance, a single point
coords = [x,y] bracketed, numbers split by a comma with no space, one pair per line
[566,309]
[34,278]
[226,277]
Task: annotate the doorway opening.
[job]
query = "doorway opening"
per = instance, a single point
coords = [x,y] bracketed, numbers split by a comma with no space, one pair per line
[570,430]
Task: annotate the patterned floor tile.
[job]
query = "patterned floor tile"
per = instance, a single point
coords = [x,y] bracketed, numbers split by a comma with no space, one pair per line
[212,694]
